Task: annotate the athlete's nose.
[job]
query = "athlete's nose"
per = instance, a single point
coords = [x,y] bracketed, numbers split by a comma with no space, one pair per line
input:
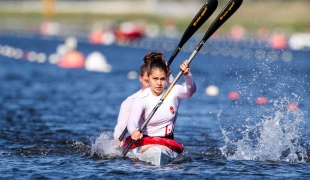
[159,82]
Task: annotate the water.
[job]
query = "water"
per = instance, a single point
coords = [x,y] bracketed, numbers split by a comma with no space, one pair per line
[58,123]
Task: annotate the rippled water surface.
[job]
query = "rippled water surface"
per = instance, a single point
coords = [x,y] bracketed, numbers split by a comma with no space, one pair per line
[57,123]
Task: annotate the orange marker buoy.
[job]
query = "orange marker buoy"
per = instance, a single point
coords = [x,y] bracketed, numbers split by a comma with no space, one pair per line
[72,59]
[261,101]
[292,107]
[233,95]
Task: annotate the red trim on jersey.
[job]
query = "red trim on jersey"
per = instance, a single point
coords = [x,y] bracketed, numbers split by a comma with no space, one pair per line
[171,110]
[170,143]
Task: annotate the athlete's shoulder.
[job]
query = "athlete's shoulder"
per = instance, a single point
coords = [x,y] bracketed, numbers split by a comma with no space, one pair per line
[145,93]
[136,94]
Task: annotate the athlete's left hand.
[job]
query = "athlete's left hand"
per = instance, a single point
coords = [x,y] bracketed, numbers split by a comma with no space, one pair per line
[118,143]
[185,68]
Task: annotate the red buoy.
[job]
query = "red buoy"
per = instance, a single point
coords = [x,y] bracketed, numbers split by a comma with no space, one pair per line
[72,59]
[278,42]
[96,37]
[292,107]
[233,95]
[261,100]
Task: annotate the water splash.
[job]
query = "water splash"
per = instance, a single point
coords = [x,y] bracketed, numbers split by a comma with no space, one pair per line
[276,136]
[105,146]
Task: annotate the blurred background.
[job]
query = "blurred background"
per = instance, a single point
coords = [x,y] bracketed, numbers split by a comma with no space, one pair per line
[133,19]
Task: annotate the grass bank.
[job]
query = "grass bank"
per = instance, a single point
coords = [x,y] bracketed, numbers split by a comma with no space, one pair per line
[288,16]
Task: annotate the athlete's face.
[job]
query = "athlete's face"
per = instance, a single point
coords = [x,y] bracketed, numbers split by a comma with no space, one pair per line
[144,81]
[157,80]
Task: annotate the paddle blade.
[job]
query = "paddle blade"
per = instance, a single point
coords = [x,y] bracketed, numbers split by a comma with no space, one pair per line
[231,7]
[201,17]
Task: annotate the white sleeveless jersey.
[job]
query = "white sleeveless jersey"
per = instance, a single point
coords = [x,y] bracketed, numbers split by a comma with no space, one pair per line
[162,122]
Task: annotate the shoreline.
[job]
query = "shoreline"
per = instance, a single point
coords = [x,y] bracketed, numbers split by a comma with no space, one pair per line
[279,16]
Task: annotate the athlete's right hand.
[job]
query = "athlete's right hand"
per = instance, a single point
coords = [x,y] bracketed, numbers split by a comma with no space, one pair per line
[135,135]
[184,67]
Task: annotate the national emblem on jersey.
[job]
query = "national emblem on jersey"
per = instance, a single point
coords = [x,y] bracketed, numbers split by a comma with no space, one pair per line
[171,110]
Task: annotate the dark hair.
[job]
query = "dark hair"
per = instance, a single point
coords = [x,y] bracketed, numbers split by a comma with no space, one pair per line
[157,64]
[148,58]
[153,55]
[143,69]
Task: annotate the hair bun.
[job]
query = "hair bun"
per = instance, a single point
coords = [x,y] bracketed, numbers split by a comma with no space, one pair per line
[152,56]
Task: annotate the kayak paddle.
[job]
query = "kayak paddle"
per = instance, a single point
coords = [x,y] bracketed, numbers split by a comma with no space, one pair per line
[204,13]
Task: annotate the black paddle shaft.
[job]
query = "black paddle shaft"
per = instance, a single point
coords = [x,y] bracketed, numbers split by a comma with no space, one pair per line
[201,17]
[225,14]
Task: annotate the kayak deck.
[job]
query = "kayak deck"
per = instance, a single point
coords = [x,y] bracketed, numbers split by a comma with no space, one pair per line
[154,154]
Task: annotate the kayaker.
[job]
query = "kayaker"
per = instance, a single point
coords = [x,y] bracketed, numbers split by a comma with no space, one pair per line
[127,103]
[162,123]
